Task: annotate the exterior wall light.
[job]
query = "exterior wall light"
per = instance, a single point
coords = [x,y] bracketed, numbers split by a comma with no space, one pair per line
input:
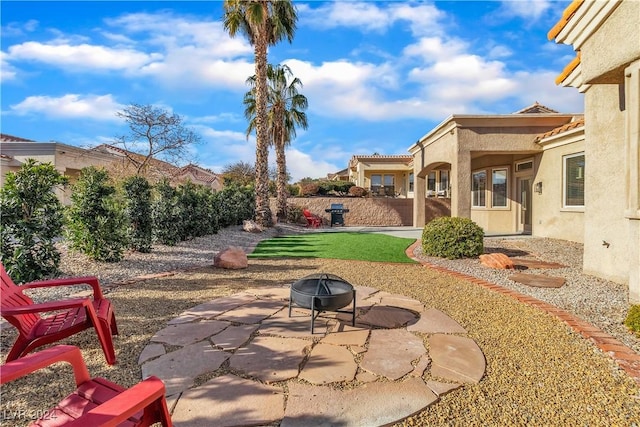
[538,187]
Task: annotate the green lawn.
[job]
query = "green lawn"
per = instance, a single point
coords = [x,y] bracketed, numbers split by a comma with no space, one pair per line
[337,245]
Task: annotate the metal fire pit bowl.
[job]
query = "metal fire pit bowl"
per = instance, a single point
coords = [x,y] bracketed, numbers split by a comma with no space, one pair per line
[323,292]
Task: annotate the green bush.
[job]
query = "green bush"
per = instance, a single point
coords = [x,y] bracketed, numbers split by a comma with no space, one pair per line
[165,215]
[137,193]
[234,204]
[632,320]
[342,187]
[293,190]
[452,238]
[31,216]
[96,223]
[357,191]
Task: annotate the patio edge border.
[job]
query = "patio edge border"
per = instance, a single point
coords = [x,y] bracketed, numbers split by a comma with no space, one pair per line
[627,359]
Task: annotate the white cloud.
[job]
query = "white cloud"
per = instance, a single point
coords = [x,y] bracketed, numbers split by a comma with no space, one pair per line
[370,17]
[83,56]
[301,165]
[71,106]
[7,71]
[539,85]
[19,28]
[526,9]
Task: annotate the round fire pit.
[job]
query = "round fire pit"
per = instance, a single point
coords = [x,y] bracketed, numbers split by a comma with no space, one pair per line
[323,292]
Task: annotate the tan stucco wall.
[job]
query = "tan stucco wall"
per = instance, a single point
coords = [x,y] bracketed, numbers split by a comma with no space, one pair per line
[370,211]
[615,44]
[605,198]
[549,219]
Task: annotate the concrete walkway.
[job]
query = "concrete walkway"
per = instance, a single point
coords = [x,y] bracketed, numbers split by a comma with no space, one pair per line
[241,360]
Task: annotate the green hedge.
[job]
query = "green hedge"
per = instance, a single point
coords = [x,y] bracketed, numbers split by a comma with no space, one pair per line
[452,238]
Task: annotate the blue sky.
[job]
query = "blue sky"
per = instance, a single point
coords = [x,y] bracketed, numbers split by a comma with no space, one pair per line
[378,75]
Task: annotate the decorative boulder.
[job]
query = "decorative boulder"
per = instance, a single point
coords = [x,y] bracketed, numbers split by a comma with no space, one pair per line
[497,260]
[231,258]
[251,226]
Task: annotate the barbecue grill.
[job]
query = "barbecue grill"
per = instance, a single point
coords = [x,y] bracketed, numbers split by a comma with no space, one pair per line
[337,212]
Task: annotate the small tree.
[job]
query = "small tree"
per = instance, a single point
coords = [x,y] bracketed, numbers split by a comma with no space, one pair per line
[154,133]
[137,193]
[96,224]
[31,216]
[240,173]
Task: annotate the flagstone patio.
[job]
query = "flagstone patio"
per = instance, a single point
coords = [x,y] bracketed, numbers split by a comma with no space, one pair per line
[241,360]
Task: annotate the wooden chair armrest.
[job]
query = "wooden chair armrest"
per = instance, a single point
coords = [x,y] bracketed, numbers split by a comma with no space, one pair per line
[71,281]
[46,306]
[32,362]
[124,405]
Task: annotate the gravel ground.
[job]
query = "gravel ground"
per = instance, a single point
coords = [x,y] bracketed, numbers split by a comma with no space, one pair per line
[539,372]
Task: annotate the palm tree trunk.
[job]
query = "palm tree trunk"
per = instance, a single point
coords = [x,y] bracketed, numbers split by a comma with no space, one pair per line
[263,211]
[282,178]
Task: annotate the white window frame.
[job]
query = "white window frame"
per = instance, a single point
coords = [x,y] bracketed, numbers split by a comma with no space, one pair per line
[565,183]
[506,190]
[473,202]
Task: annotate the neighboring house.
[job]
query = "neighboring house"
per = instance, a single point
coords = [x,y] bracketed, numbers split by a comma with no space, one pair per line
[487,165]
[607,70]
[341,175]
[389,176]
[157,169]
[67,159]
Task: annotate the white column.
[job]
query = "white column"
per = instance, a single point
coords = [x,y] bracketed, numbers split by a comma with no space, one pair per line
[632,174]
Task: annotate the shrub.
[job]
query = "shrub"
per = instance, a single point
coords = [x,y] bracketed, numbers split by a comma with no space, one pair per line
[165,215]
[234,204]
[343,187]
[632,320]
[31,216]
[137,193]
[194,206]
[96,223]
[357,191]
[294,214]
[325,187]
[452,238]
[309,189]
[293,190]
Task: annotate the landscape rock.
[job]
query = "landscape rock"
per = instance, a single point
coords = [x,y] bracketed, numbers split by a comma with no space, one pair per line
[251,226]
[497,260]
[231,258]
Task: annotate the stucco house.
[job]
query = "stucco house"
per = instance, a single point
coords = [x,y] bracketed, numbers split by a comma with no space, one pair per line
[489,166]
[383,175]
[70,160]
[67,159]
[606,69]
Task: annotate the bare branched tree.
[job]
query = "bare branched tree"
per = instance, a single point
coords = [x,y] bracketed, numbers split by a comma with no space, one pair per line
[155,133]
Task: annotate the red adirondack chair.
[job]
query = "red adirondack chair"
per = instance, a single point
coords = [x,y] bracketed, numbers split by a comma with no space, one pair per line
[96,401]
[71,315]
[312,220]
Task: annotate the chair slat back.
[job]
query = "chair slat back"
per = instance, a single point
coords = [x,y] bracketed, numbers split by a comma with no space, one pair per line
[12,297]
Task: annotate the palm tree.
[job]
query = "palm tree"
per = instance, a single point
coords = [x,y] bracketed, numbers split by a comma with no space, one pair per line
[264,23]
[285,112]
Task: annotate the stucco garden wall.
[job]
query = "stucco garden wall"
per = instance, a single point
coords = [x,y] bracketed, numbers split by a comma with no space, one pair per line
[371,211]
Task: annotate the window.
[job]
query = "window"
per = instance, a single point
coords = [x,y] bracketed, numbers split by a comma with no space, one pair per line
[573,166]
[524,166]
[499,188]
[431,181]
[411,182]
[376,184]
[478,189]
[444,183]
[389,185]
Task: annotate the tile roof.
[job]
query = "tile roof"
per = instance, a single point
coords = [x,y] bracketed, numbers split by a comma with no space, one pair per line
[566,16]
[536,108]
[10,138]
[571,66]
[561,129]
